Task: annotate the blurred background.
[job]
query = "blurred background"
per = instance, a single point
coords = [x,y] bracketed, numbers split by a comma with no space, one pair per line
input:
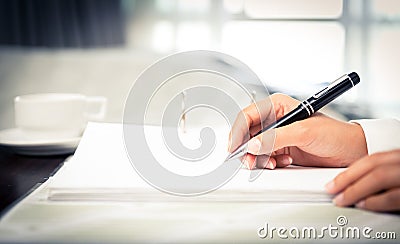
[295,46]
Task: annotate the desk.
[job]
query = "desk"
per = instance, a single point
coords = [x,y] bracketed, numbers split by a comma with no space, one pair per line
[41,221]
[19,174]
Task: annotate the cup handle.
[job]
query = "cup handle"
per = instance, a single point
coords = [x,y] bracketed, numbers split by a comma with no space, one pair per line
[95,108]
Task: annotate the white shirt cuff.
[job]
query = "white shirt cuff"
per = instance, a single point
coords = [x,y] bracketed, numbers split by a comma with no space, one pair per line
[380,134]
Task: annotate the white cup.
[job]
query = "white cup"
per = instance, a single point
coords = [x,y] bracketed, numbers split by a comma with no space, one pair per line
[57,115]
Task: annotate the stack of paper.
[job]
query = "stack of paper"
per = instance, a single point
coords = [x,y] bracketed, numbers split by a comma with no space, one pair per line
[101,170]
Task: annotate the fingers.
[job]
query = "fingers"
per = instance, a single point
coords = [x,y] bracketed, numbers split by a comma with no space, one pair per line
[353,173]
[283,160]
[371,183]
[250,117]
[266,162]
[249,161]
[267,111]
[272,140]
[239,131]
[283,104]
[379,179]
[387,201]
[359,169]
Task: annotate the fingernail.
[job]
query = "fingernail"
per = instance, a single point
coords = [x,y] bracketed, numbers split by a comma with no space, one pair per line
[329,186]
[252,166]
[287,160]
[254,146]
[338,200]
[246,164]
[270,165]
[360,204]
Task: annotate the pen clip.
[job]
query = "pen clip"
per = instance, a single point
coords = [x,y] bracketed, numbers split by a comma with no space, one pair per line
[330,86]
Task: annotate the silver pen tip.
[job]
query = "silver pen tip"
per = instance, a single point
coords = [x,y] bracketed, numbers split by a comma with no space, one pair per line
[238,153]
[228,158]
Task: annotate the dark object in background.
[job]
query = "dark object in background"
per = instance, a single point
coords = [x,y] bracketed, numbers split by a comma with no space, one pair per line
[61,23]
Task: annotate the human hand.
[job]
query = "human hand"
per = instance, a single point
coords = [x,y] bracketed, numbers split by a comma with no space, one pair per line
[315,141]
[372,183]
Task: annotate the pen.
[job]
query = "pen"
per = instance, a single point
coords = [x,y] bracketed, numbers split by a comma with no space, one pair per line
[308,107]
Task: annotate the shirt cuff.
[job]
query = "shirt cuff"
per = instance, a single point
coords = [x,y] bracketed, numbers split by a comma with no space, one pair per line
[380,134]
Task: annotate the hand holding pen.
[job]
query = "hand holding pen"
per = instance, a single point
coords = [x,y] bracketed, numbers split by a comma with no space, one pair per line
[316,140]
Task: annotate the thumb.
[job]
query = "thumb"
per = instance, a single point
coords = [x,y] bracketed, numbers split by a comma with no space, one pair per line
[273,140]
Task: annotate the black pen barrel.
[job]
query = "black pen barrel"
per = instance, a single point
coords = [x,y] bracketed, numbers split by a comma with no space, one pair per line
[297,114]
[332,92]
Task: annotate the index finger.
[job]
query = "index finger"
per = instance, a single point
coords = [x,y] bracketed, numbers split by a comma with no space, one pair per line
[360,168]
[248,122]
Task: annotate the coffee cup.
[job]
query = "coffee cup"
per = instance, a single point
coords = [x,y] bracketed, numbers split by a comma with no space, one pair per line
[57,115]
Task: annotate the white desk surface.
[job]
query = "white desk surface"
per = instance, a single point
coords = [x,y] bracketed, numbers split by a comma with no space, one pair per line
[36,220]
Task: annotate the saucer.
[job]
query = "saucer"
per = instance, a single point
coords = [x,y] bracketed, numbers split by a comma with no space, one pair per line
[17,141]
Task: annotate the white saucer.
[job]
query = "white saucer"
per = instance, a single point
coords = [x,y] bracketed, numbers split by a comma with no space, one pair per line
[15,140]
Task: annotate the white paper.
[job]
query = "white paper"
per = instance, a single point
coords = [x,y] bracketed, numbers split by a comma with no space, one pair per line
[101,170]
